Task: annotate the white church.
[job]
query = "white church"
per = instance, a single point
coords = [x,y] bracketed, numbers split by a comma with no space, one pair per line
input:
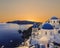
[48,36]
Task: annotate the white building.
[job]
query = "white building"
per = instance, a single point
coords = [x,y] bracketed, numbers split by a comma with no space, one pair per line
[49,33]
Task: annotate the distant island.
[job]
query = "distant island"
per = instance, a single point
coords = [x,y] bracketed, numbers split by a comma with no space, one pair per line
[23,22]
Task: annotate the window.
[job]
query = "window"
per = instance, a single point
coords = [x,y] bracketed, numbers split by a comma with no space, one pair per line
[54,21]
[37,33]
[33,35]
[53,25]
[59,22]
[45,33]
[59,31]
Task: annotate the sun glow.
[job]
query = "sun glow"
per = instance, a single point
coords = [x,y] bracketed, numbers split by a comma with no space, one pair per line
[31,10]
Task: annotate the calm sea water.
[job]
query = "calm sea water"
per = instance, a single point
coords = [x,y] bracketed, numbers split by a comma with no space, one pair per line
[9,35]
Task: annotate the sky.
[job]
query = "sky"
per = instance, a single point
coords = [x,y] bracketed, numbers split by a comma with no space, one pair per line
[32,10]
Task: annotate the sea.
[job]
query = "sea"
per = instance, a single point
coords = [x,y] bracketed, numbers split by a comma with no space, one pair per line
[9,35]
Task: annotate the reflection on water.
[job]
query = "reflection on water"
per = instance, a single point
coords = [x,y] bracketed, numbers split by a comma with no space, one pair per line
[9,26]
[14,26]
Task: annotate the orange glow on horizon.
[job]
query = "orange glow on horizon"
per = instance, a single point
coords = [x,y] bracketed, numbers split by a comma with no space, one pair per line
[28,18]
[32,10]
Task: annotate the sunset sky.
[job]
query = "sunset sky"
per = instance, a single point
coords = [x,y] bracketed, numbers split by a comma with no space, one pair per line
[33,10]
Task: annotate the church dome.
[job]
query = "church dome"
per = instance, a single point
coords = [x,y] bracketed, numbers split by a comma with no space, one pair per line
[35,25]
[54,17]
[47,26]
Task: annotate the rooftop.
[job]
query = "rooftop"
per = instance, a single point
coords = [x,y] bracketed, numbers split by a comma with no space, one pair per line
[47,26]
[54,17]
